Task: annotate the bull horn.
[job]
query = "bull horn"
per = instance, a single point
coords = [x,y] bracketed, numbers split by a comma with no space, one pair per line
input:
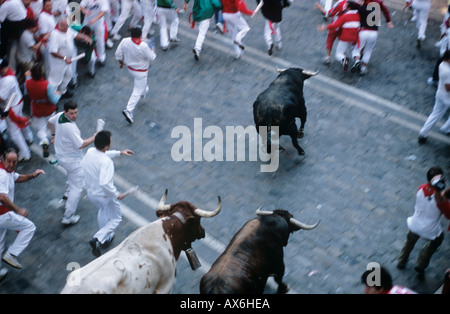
[310,73]
[279,70]
[260,212]
[207,213]
[162,203]
[301,225]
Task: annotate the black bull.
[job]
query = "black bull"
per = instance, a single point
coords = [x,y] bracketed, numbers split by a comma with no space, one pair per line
[254,254]
[281,103]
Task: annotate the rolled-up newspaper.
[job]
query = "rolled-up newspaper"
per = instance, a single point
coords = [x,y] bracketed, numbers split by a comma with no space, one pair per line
[100,125]
[10,102]
[131,191]
[81,55]
[261,3]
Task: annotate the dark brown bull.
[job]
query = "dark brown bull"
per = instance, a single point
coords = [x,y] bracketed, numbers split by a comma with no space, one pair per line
[254,254]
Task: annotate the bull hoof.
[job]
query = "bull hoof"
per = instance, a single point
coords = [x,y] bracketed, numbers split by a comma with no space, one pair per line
[282,288]
[301,152]
[301,133]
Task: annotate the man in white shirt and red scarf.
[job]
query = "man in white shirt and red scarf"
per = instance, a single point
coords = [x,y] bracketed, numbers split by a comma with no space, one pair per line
[425,223]
[136,55]
[13,217]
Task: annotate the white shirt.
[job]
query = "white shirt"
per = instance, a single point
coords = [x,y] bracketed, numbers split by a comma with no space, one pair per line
[98,169]
[95,7]
[135,56]
[46,23]
[444,78]
[62,43]
[8,87]
[426,219]
[13,10]
[7,180]
[26,42]
[67,139]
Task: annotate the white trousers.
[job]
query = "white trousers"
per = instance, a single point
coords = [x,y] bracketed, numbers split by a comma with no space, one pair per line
[19,137]
[238,27]
[342,48]
[148,9]
[99,30]
[140,85]
[40,126]
[272,33]
[202,30]
[421,11]
[60,75]
[75,184]
[108,218]
[165,15]
[14,222]
[367,41]
[439,109]
[126,6]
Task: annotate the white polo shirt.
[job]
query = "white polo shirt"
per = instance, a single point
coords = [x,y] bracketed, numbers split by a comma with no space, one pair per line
[67,138]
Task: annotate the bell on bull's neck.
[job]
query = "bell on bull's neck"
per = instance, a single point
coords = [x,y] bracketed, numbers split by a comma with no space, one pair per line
[193,259]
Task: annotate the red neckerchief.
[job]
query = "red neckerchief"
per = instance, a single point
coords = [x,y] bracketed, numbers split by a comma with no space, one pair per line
[137,41]
[44,10]
[2,166]
[9,72]
[428,189]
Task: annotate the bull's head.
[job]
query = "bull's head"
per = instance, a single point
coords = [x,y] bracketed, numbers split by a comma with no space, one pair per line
[189,216]
[306,74]
[294,225]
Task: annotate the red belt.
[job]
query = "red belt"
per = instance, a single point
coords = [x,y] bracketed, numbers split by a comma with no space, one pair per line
[137,70]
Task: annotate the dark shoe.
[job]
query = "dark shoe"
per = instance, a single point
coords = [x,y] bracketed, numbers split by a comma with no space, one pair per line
[356,67]
[270,51]
[67,94]
[421,139]
[45,150]
[196,54]
[419,43]
[72,85]
[128,116]
[95,245]
[91,75]
[401,266]
[101,64]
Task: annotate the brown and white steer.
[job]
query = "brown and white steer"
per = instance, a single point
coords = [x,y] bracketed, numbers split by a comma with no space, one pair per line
[145,262]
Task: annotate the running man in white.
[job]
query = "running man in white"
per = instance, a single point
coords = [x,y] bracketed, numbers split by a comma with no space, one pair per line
[68,150]
[13,217]
[98,170]
[136,55]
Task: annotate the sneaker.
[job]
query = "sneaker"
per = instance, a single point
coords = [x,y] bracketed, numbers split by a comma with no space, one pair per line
[356,67]
[196,54]
[116,37]
[128,116]
[109,43]
[363,70]
[239,54]
[95,245]
[326,60]
[71,220]
[219,26]
[279,46]
[270,51]
[11,260]
[147,89]
[432,82]
[45,150]
[175,40]
[422,139]
[3,273]
[345,63]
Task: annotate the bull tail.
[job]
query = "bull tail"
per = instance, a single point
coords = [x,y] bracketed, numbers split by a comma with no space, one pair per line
[269,129]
